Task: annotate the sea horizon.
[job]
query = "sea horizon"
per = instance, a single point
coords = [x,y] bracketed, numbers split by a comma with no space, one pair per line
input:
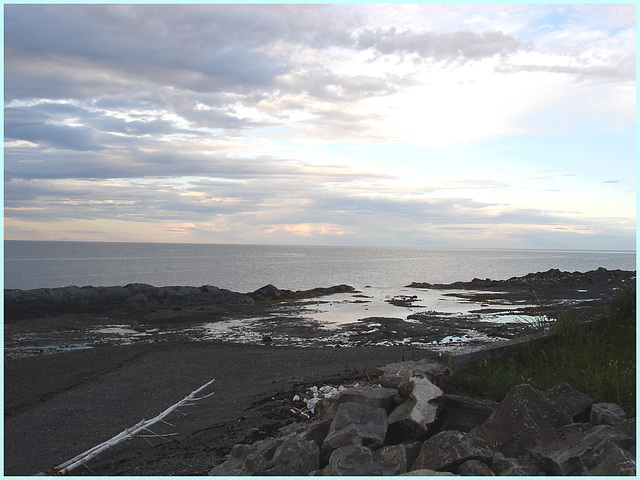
[554,249]
[30,264]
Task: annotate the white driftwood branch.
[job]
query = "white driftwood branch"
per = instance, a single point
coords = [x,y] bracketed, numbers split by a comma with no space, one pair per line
[130,432]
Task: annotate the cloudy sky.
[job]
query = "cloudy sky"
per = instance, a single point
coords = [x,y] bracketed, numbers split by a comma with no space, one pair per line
[415,124]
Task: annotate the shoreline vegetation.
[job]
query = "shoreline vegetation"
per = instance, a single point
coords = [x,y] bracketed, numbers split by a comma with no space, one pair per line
[600,362]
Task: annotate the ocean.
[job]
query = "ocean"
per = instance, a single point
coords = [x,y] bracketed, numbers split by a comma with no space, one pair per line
[245,268]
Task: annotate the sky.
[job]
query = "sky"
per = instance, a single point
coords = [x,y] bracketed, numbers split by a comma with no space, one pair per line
[435,125]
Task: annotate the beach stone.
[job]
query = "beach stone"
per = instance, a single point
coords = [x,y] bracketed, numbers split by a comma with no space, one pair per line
[575,403]
[274,456]
[391,375]
[474,468]
[354,460]
[618,462]
[447,450]
[584,453]
[523,415]
[356,424]
[606,414]
[413,418]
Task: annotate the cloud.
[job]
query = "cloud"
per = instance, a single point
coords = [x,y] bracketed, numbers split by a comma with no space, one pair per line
[448,46]
[305,121]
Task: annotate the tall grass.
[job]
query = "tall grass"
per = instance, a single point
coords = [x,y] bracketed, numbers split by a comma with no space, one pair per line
[600,362]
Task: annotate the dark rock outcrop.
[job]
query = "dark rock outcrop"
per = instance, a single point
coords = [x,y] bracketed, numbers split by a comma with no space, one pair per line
[140,297]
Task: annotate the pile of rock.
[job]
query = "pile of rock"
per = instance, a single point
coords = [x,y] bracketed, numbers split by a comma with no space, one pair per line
[408,426]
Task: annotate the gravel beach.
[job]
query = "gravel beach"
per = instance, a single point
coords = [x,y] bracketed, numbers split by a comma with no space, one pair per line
[61,405]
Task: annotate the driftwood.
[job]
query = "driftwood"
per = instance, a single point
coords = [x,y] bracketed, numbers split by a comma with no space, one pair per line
[132,432]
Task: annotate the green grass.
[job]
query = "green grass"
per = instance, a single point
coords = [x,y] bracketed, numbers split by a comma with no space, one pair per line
[600,362]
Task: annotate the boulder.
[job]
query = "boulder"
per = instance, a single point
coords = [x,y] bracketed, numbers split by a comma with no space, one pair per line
[425,472]
[413,418]
[391,375]
[523,416]
[618,462]
[576,404]
[474,468]
[373,397]
[274,456]
[354,460]
[315,431]
[398,458]
[606,414]
[464,413]
[449,449]
[511,467]
[584,452]
[356,424]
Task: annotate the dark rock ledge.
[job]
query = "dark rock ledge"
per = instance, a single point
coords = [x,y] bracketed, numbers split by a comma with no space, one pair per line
[408,426]
[141,297]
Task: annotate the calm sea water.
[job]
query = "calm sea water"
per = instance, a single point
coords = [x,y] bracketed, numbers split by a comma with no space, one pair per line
[245,268]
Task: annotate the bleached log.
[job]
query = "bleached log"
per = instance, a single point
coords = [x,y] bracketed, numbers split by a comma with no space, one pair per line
[131,432]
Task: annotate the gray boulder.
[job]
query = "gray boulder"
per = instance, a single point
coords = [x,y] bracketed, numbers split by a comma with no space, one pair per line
[373,397]
[523,416]
[447,450]
[316,431]
[618,462]
[584,452]
[425,472]
[413,418]
[274,456]
[575,403]
[399,457]
[474,468]
[354,460]
[356,424]
[606,414]
[391,375]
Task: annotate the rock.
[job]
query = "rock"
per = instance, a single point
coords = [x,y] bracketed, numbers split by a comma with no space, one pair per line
[268,292]
[575,403]
[425,472]
[315,431]
[373,397]
[447,450]
[354,460]
[391,375]
[511,467]
[274,456]
[464,413]
[413,418]
[139,297]
[618,462]
[356,424]
[606,414]
[523,416]
[399,457]
[474,468]
[584,452]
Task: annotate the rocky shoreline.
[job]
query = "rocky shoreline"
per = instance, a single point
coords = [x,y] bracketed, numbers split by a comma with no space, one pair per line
[72,381]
